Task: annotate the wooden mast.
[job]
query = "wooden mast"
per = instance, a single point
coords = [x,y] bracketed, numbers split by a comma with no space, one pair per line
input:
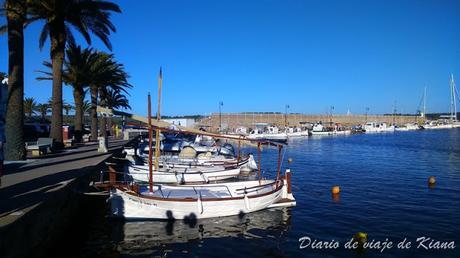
[259,156]
[150,144]
[278,174]
[157,134]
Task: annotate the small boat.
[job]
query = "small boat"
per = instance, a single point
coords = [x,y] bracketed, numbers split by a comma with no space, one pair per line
[440,124]
[183,175]
[293,132]
[408,127]
[374,127]
[271,133]
[319,129]
[200,201]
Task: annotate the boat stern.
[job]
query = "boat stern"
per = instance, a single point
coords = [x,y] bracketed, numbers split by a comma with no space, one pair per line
[287,199]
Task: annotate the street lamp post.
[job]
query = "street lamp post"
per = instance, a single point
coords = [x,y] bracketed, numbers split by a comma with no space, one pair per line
[332,108]
[285,115]
[221,103]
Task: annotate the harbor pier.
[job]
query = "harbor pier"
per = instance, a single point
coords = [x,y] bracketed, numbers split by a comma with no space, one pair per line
[39,199]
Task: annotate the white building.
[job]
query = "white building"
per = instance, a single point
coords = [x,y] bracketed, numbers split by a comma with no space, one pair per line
[187,122]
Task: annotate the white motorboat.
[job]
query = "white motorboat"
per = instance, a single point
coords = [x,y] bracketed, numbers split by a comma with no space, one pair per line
[271,133]
[319,130]
[200,201]
[374,127]
[293,132]
[441,124]
[408,127]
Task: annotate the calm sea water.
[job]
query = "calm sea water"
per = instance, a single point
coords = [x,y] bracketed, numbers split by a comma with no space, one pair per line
[384,193]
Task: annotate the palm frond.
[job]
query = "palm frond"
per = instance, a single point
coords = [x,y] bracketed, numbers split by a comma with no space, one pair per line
[43,36]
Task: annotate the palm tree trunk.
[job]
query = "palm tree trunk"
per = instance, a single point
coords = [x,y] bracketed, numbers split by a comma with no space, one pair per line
[15,146]
[103,97]
[110,126]
[93,90]
[57,36]
[78,99]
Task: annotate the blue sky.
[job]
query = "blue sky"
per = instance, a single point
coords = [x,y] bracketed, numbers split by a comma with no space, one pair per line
[262,55]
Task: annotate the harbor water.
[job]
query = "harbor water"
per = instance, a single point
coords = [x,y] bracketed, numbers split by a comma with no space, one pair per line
[385,194]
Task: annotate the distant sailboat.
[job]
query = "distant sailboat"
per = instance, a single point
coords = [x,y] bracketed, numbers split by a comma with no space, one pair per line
[453,102]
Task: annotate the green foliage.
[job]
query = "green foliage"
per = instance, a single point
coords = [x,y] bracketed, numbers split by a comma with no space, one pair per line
[85,16]
[29,106]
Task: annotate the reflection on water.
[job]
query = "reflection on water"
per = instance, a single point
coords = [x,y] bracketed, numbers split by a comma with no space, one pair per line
[143,237]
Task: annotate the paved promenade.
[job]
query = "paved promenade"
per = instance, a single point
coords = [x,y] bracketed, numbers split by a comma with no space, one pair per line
[28,184]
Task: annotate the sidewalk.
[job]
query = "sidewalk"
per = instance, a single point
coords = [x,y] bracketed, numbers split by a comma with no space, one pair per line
[26,185]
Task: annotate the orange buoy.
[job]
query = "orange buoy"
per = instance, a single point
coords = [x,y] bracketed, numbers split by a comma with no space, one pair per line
[335,189]
[431,180]
[289,160]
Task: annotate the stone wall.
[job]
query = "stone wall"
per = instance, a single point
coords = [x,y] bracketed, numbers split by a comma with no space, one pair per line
[233,120]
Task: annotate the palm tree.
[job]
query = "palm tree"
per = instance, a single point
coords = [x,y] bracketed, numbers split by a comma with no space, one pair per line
[43,109]
[115,99]
[76,73]
[29,106]
[106,74]
[15,12]
[85,16]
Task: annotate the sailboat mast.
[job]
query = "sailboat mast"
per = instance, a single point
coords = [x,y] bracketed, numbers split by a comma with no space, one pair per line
[150,143]
[452,101]
[424,103]
[454,97]
[157,134]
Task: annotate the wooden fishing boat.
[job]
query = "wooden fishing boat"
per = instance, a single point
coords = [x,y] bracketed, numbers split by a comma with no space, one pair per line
[175,161]
[183,175]
[200,201]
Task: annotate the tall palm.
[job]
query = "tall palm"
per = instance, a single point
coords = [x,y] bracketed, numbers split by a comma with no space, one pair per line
[86,16]
[29,106]
[15,12]
[76,73]
[106,74]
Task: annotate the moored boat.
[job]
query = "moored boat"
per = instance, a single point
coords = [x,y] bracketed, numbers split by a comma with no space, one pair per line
[374,127]
[200,201]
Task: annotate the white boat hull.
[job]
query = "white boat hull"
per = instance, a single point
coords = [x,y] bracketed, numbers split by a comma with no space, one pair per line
[344,132]
[379,130]
[197,206]
[270,137]
[429,127]
[141,175]
[298,134]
